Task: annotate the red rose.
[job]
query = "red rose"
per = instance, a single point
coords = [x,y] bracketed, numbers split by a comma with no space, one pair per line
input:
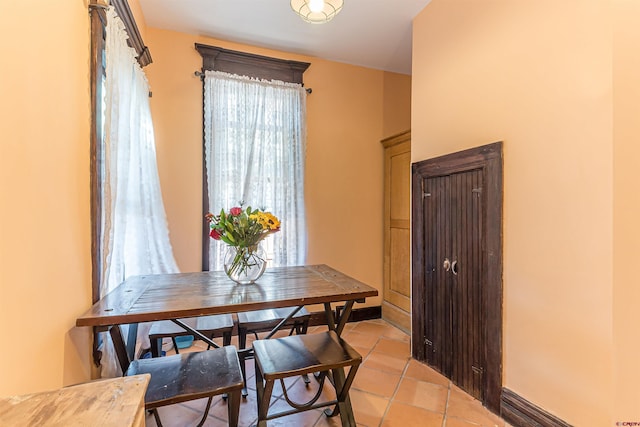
[235,211]
[215,234]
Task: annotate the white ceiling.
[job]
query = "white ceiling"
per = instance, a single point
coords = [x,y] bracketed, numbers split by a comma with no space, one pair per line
[369,33]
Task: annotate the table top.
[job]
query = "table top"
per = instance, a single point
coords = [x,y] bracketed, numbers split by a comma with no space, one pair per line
[172,296]
[115,402]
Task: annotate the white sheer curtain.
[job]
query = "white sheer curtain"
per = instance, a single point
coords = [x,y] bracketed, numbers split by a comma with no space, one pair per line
[135,234]
[255,134]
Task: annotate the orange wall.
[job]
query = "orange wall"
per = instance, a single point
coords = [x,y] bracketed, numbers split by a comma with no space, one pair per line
[396,104]
[626,207]
[141,23]
[345,120]
[45,241]
[538,76]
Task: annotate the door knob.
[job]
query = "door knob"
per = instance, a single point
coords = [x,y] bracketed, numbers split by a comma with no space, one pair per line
[446,264]
[454,267]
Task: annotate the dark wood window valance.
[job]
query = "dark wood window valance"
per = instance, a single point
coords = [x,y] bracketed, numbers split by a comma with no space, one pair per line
[251,65]
[135,39]
[124,12]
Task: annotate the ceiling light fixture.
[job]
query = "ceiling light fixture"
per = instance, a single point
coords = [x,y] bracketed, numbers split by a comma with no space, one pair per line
[317,11]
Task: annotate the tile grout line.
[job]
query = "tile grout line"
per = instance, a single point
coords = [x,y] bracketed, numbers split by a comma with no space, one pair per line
[393,395]
[376,339]
[364,359]
[446,406]
[368,355]
[362,363]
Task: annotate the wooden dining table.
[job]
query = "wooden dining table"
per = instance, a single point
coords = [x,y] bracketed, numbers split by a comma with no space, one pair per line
[177,296]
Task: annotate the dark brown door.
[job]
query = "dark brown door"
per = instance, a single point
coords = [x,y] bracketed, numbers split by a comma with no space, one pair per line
[456,283]
[453,330]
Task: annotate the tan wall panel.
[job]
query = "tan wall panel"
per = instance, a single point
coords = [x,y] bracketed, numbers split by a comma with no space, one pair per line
[45,233]
[626,204]
[536,75]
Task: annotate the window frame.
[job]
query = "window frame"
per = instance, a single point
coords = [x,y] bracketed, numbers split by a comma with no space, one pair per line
[97,12]
[215,58]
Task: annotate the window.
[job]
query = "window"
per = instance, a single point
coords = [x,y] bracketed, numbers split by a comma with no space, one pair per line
[97,148]
[254,132]
[129,230]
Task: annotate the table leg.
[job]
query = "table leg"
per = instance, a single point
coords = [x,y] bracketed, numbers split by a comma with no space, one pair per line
[331,319]
[283,321]
[120,347]
[344,317]
[196,333]
[344,409]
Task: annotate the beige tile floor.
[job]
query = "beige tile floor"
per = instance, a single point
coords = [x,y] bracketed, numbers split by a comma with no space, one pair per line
[390,390]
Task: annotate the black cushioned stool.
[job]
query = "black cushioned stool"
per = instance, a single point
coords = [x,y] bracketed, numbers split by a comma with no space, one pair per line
[220,325]
[184,377]
[326,353]
[252,322]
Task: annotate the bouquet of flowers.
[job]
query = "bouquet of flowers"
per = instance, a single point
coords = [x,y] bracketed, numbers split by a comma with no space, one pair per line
[243,229]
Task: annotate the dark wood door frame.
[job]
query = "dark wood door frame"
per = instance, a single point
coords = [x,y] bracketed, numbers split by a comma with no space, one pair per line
[488,158]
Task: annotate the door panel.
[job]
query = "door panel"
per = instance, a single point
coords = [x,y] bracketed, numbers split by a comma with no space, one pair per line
[399,286]
[396,305]
[467,322]
[399,290]
[436,247]
[400,191]
[457,214]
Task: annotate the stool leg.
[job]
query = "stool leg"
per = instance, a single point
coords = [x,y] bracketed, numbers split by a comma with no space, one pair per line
[156,416]
[156,347]
[175,344]
[233,408]
[305,378]
[343,407]
[263,397]
[206,412]
[301,329]
[242,343]
[226,338]
[210,336]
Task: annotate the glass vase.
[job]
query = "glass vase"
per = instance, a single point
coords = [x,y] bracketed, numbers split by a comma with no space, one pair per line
[244,264]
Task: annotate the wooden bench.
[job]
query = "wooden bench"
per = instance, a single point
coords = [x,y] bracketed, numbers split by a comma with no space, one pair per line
[190,376]
[253,322]
[324,353]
